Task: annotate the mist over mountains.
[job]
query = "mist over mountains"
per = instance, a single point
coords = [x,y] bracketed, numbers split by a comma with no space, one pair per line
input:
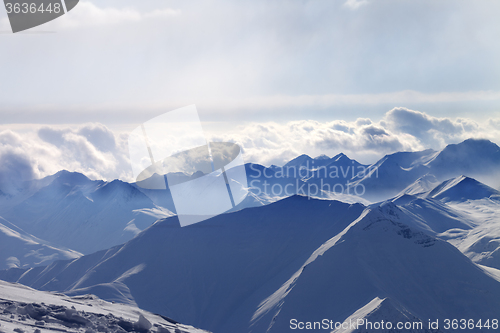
[414,237]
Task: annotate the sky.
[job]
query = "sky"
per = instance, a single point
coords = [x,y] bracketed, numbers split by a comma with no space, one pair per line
[280,78]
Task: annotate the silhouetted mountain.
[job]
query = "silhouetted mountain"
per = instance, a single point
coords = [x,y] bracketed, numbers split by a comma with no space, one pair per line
[74,212]
[255,269]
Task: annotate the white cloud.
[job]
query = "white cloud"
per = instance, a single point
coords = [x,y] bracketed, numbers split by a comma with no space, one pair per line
[400,129]
[96,151]
[435,132]
[40,151]
[273,143]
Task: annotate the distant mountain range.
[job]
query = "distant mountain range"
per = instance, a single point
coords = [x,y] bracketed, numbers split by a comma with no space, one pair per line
[255,269]
[322,176]
[422,243]
[67,214]
[67,211]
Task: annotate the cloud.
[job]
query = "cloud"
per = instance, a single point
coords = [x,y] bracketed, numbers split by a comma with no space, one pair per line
[273,143]
[100,153]
[99,135]
[400,129]
[431,131]
[252,55]
[16,167]
[39,151]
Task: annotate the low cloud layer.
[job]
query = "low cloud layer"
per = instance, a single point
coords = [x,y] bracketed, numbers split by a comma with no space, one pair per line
[364,139]
[91,149]
[96,151]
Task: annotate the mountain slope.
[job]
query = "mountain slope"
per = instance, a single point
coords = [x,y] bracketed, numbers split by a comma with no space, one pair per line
[71,211]
[212,274]
[383,310]
[393,173]
[19,249]
[473,157]
[379,256]
[405,172]
[462,211]
[255,269]
[433,216]
[481,244]
[461,189]
[421,185]
[24,309]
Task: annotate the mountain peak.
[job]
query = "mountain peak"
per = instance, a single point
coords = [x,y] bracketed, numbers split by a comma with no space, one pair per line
[340,157]
[479,143]
[462,188]
[71,177]
[473,156]
[299,160]
[322,157]
[473,147]
[421,185]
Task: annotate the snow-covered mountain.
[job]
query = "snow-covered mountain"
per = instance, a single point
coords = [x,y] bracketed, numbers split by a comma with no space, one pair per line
[461,189]
[475,158]
[384,179]
[23,309]
[256,269]
[393,173]
[429,248]
[20,249]
[320,177]
[213,273]
[471,219]
[71,211]
[309,163]
[421,185]
[482,243]
[379,256]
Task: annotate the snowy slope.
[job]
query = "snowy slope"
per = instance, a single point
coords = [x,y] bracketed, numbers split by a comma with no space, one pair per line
[20,249]
[212,274]
[475,158]
[481,244]
[460,189]
[434,217]
[378,256]
[71,211]
[462,211]
[401,172]
[383,311]
[23,309]
[421,185]
[393,173]
[296,258]
[300,161]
